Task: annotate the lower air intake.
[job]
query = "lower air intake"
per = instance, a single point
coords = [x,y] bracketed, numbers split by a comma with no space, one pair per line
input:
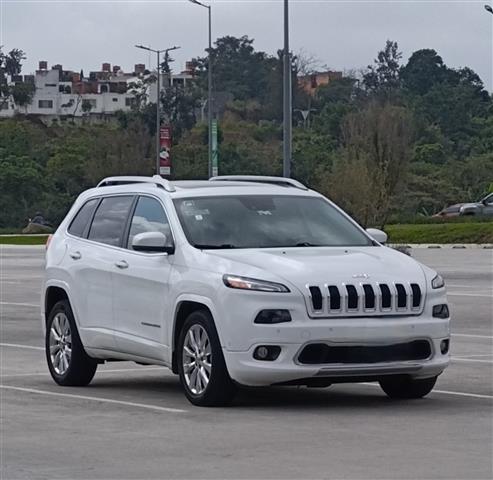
[321,353]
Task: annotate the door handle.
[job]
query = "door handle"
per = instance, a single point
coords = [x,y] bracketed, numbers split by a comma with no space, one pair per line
[75,255]
[121,264]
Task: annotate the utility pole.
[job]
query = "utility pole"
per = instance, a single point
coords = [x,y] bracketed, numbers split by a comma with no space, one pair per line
[158,98]
[209,86]
[287,97]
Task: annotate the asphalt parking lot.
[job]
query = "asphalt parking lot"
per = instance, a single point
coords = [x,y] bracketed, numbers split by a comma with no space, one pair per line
[134,421]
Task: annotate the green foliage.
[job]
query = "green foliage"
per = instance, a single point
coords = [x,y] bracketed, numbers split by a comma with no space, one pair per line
[399,142]
[22,93]
[423,71]
[382,78]
[45,168]
[441,233]
[23,240]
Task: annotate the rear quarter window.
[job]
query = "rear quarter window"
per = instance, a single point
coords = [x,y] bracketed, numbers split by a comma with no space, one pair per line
[82,218]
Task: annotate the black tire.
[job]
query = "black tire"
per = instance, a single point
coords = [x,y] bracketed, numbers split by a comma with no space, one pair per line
[403,387]
[81,367]
[220,389]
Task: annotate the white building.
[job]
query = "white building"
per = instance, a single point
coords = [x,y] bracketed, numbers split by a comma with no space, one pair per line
[62,94]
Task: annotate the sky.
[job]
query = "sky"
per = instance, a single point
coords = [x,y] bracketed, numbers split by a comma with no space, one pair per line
[342,35]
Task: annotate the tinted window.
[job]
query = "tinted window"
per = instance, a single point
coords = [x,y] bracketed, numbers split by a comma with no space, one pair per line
[149,216]
[84,215]
[261,221]
[109,222]
[454,209]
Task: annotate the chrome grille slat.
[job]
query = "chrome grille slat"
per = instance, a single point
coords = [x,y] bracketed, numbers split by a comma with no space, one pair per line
[364,299]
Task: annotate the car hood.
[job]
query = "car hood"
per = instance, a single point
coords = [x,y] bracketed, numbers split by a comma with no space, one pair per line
[323,265]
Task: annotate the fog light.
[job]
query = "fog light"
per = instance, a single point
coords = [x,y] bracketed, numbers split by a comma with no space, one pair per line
[267,353]
[270,317]
[441,311]
[444,346]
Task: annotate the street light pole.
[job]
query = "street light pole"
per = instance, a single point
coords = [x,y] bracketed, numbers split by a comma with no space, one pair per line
[158,116]
[209,86]
[158,102]
[287,97]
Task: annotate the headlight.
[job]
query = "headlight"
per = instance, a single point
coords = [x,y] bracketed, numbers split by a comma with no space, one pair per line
[438,282]
[243,283]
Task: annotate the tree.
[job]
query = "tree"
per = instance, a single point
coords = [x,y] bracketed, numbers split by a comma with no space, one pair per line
[179,105]
[11,65]
[423,71]
[383,77]
[377,145]
[22,93]
[245,73]
[333,102]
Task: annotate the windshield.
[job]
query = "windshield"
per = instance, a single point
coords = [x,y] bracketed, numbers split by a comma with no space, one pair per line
[261,221]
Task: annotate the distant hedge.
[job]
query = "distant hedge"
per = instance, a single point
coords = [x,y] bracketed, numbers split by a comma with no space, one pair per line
[470,232]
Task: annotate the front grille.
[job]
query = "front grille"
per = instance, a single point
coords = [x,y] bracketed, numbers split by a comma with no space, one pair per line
[321,353]
[364,299]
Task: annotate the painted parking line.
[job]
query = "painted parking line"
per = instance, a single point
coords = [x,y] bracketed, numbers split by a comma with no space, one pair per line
[445,392]
[463,394]
[17,345]
[465,355]
[470,335]
[94,399]
[471,360]
[14,304]
[113,370]
[457,294]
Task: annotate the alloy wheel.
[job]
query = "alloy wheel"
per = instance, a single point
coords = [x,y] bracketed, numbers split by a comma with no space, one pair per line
[60,343]
[197,359]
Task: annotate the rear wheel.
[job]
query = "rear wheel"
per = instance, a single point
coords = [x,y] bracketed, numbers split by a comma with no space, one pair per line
[68,362]
[407,387]
[201,365]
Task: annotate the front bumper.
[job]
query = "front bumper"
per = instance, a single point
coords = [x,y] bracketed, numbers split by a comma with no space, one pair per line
[246,370]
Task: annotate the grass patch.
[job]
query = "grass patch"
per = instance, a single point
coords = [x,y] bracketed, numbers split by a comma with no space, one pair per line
[441,233]
[23,240]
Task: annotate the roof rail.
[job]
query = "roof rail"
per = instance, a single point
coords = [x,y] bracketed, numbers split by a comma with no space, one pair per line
[156,180]
[282,181]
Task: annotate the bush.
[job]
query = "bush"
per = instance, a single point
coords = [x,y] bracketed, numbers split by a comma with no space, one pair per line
[480,232]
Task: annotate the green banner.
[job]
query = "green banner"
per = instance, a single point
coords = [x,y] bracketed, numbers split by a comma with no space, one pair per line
[215,153]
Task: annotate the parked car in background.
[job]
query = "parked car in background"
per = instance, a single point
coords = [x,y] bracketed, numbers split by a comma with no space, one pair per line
[483,207]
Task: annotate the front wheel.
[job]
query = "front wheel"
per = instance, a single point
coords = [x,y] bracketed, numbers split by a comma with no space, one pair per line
[68,362]
[407,387]
[201,365]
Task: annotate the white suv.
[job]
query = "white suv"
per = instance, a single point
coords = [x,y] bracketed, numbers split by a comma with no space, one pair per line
[237,281]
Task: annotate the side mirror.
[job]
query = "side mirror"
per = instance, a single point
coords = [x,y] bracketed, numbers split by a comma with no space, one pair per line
[378,235]
[152,242]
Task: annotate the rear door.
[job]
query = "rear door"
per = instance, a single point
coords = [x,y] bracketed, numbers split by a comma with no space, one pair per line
[93,263]
[141,288]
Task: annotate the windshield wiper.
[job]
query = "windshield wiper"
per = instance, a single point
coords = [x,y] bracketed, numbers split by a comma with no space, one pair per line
[213,247]
[308,244]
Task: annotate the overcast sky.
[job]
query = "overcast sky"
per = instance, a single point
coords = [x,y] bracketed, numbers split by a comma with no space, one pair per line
[342,34]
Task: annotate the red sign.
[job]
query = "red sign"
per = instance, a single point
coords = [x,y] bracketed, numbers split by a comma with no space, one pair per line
[165,150]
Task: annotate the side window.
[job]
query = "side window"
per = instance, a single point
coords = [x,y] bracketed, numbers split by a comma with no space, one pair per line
[79,223]
[110,219]
[149,216]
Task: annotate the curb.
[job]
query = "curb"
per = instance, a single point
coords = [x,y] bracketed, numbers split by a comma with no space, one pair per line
[7,235]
